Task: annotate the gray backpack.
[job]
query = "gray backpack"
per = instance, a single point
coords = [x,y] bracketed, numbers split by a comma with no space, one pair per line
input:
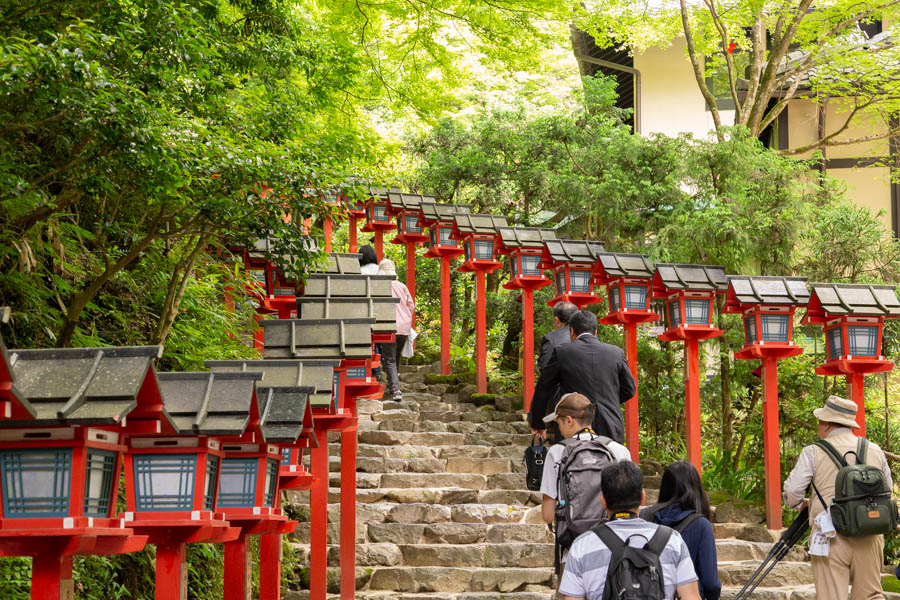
[579,509]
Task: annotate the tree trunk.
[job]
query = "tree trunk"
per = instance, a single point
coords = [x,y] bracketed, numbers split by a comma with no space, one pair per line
[754,400]
[82,298]
[725,375]
[178,281]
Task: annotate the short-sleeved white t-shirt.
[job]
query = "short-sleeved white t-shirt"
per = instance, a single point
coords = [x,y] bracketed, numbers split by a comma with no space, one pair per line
[588,560]
[555,455]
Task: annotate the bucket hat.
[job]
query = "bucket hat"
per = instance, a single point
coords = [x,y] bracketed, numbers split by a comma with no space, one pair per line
[838,410]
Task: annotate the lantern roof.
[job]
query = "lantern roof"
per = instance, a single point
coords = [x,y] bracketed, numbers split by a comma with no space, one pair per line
[408,202]
[829,300]
[318,338]
[266,246]
[21,408]
[569,251]
[467,223]
[512,238]
[690,278]
[328,285]
[341,263]
[210,403]
[318,375]
[432,212]
[381,193]
[779,291]
[88,386]
[283,412]
[382,309]
[614,264]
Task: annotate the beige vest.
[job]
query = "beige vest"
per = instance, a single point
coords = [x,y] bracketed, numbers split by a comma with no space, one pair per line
[825,471]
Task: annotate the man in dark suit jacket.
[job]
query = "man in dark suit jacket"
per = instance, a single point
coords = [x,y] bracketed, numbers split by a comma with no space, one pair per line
[590,367]
[562,312]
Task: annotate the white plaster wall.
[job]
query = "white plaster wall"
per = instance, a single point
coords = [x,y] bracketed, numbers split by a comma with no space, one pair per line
[671,103]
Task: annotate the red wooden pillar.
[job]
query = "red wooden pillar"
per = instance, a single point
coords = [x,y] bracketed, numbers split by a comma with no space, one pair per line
[856,390]
[328,232]
[270,566]
[528,346]
[258,334]
[379,245]
[51,577]
[632,428]
[237,569]
[353,247]
[318,521]
[171,572]
[481,331]
[771,442]
[445,315]
[348,513]
[411,274]
[692,402]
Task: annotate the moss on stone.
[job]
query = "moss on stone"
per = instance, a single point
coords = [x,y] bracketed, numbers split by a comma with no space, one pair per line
[434,378]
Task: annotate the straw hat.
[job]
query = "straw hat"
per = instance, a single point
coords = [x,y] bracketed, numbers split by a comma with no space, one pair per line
[838,410]
[386,267]
[570,405]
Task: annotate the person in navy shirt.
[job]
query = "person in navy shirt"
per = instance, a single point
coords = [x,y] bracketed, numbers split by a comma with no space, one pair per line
[681,496]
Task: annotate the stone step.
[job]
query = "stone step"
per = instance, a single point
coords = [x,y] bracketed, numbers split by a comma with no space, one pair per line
[730,549]
[397,438]
[384,554]
[806,592]
[547,594]
[456,580]
[785,573]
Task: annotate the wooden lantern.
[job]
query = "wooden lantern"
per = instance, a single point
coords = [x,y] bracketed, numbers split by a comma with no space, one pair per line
[766,306]
[853,318]
[572,264]
[439,220]
[59,467]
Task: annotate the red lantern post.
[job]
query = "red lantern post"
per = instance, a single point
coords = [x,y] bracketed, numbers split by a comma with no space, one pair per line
[853,317]
[439,220]
[179,487]
[524,246]
[628,279]
[377,219]
[355,212]
[410,231]
[688,292]
[60,464]
[292,388]
[478,236]
[572,264]
[349,340]
[767,306]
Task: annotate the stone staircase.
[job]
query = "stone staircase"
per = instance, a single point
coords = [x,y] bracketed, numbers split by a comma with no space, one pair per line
[443,513]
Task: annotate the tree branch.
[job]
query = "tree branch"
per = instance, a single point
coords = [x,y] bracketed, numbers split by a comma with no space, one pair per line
[729,59]
[698,71]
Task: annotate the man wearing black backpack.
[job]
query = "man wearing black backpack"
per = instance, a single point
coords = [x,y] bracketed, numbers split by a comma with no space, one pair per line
[572,468]
[628,557]
[850,507]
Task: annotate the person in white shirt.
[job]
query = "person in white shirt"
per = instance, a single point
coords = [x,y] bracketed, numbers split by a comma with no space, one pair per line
[574,414]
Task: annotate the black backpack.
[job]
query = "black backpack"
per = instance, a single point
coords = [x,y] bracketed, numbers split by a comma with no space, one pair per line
[862,502]
[535,455]
[649,513]
[634,573]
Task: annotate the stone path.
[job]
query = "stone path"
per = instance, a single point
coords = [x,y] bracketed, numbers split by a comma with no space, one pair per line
[443,512]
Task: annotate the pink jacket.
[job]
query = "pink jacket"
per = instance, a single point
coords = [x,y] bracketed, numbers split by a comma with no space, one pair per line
[405,308]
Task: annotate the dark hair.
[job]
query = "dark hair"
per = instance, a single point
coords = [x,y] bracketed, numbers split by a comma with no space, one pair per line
[622,483]
[681,486]
[368,255]
[584,321]
[564,311]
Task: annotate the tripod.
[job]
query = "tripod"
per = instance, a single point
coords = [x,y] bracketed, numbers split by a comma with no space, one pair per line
[791,536]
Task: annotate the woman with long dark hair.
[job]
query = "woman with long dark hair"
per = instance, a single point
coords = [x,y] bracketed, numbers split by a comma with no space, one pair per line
[684,506]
